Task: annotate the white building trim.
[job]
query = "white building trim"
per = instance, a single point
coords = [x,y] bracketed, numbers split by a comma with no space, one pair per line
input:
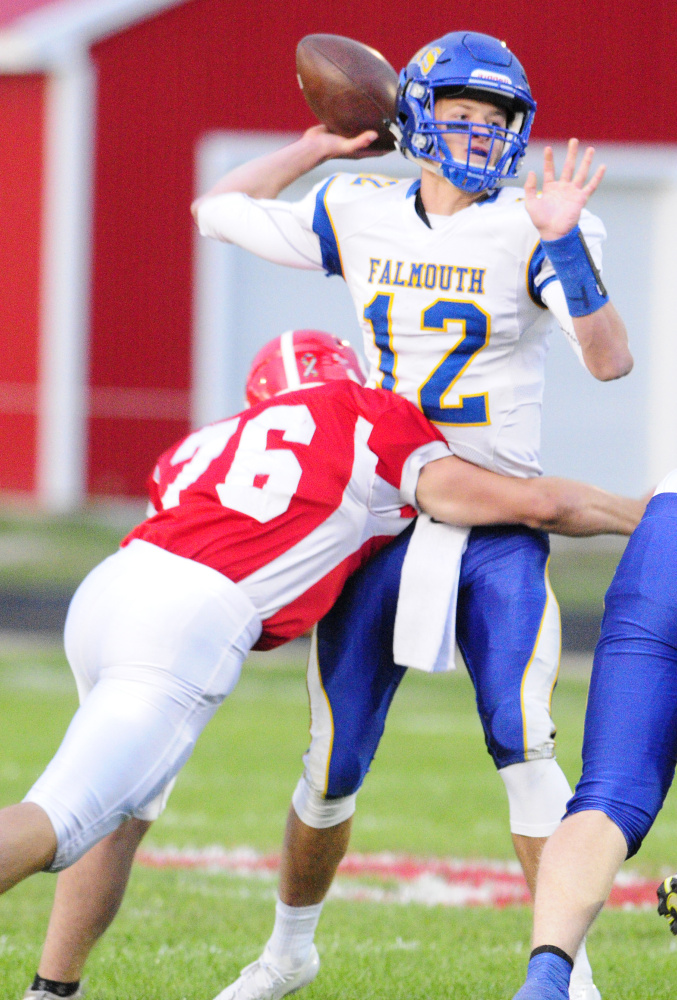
[214,331]
[65,284]
[662,401]
[55,40]
[48,36]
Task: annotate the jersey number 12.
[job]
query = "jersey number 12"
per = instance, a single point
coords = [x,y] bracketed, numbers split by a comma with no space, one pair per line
[475,326]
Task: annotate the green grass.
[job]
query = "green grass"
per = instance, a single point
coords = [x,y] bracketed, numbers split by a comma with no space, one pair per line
[581,570]
[432,791]
[37,550]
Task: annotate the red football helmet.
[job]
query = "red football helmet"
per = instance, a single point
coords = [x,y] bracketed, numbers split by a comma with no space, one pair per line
[299,359]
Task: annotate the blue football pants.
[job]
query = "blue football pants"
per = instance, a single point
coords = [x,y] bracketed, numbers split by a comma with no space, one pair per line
[507,629]
[630,744]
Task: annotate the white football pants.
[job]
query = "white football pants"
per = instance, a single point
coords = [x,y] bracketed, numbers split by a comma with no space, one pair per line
[156,642]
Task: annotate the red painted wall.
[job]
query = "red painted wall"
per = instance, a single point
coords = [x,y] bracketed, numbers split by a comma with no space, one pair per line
[21,163]
[604,72]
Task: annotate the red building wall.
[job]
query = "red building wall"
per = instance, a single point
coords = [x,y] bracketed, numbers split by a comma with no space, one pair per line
[21,170]
[604,72]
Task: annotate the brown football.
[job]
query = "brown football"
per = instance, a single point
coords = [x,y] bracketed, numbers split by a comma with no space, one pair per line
[349,86]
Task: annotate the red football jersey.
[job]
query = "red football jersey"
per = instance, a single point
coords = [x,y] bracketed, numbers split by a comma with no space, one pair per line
[291,496]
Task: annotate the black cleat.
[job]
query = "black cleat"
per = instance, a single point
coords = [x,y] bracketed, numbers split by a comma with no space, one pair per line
[667,901]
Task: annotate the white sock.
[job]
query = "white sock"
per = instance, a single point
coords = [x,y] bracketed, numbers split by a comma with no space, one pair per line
[292,938]
[581,972]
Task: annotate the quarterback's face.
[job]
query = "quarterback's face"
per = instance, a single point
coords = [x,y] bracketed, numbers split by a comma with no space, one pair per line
[462,109]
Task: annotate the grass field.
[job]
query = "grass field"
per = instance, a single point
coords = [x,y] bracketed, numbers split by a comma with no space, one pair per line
[432,791]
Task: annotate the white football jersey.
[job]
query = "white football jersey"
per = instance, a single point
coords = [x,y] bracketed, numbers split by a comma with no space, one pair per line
[455,316]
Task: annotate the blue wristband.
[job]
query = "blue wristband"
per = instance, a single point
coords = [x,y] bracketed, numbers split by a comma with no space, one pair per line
[576,272]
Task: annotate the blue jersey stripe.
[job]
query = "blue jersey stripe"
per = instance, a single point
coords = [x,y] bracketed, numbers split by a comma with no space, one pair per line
[535,264]
[544,284]
[322,225]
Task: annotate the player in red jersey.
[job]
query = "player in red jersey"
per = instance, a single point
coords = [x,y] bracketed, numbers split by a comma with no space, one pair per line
[259,520]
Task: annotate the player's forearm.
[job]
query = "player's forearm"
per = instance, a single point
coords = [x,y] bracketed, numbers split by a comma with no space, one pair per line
[463,494]
[268,175]
[599,329]
[604,343]
[459,493]
[577,509]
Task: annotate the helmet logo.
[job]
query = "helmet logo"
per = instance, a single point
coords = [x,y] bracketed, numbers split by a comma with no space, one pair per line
[487,74]
[309,364]
[427,58]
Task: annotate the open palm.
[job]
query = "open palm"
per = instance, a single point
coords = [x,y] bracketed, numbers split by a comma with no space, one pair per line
[556,209]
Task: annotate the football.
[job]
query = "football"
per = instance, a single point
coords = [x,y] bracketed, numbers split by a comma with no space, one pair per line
[349,86]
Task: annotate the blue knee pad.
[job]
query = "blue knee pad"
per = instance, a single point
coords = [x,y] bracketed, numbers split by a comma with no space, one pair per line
[630,743]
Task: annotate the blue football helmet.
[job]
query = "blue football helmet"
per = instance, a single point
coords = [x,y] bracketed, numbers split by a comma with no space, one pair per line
[479,67]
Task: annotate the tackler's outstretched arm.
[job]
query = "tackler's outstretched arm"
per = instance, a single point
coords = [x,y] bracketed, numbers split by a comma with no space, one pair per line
[460,493]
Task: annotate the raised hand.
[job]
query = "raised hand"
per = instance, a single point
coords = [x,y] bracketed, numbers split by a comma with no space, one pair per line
[557,208]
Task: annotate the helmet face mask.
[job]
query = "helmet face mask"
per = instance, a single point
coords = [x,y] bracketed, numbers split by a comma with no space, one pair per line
[300,359]
[464,64]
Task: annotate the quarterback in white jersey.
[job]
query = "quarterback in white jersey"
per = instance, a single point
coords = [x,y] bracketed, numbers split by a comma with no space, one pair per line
[456,283]
[455,318]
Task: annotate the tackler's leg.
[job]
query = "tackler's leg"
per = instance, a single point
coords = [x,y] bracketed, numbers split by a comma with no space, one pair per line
[160,640]
[27,843]
[89,893]
[351,682]
[86,901]
[87,898]
[508,629]
[629,749]
[165,639]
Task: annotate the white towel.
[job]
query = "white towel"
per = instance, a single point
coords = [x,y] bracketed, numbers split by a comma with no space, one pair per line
[425,622]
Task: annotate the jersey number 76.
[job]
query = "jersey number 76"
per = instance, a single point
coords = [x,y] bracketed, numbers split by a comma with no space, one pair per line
[260,481]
